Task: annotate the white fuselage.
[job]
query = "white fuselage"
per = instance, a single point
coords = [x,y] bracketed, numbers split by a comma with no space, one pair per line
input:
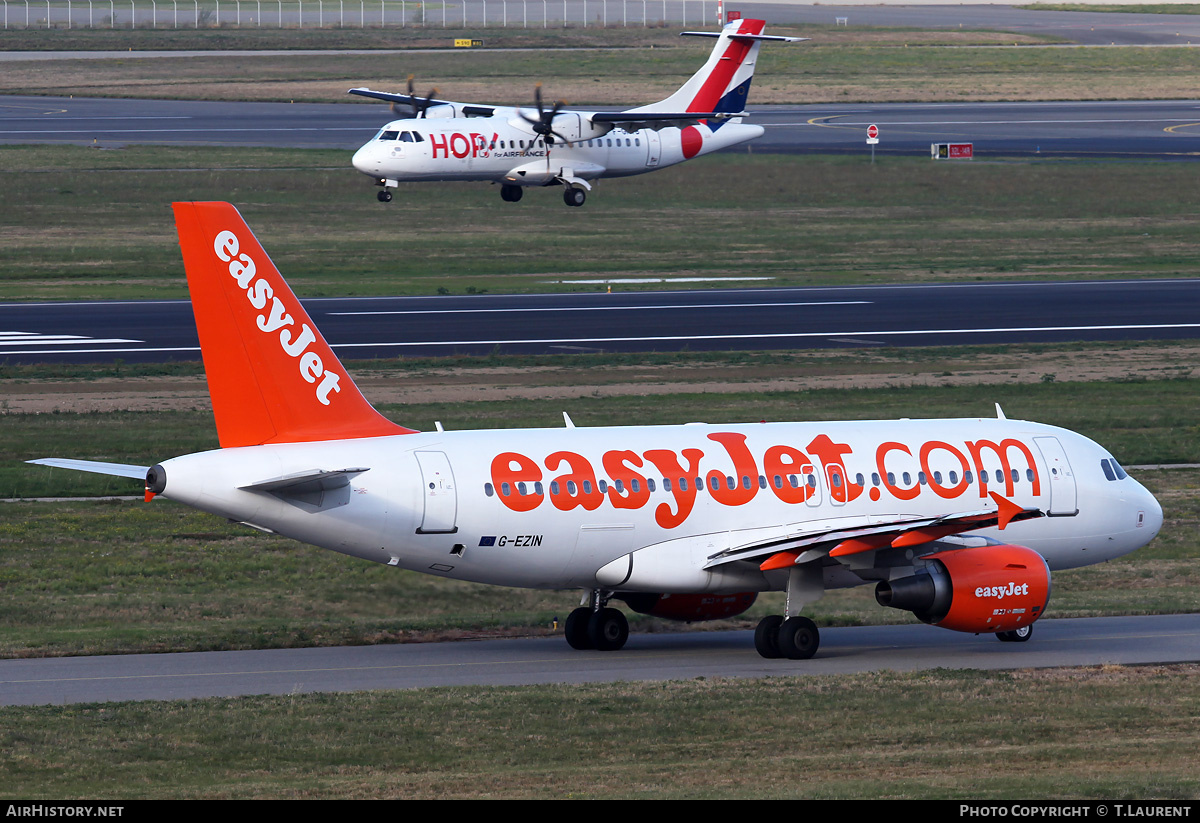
[542,508]
[494,149]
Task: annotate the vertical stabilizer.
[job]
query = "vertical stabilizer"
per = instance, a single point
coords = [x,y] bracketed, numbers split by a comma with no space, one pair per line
[272,376]
[723,82]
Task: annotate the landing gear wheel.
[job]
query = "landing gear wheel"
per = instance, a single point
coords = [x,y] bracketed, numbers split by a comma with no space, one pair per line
[384,196]
[511,194]
[574,197]
[766,637]
[798,638]
[1016,635]
[576,629]
[608,630]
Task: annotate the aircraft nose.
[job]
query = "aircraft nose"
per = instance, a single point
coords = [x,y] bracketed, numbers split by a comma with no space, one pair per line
[362,160]
[1150,513]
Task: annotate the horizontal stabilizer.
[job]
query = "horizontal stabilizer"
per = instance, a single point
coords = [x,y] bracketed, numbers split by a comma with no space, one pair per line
[96,467]
[308,482]
[770,38]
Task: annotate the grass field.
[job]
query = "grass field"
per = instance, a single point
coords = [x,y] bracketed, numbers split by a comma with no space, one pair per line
[84,223]
[865,66]
[1107,733]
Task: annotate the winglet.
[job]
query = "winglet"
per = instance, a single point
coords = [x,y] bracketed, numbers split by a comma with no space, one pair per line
[1006,510]
[272,376]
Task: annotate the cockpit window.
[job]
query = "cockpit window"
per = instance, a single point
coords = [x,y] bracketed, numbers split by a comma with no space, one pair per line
[1112,469]
[389,135]
[406,137]
[1106,464]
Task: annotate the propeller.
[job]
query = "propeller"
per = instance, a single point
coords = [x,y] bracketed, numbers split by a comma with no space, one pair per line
[419,105]
[544,123]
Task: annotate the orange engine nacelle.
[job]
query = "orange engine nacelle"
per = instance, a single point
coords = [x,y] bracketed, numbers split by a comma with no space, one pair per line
[983,589]
[690,607]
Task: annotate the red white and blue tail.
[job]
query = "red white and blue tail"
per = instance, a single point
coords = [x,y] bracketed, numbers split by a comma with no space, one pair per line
[723,83]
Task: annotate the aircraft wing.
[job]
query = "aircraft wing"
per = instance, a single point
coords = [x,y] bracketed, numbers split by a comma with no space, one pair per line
[843,537]
[634,120]
[630,120]
[461,109]
[96,467]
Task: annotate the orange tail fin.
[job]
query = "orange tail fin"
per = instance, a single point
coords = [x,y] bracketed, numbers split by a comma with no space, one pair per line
[272,376]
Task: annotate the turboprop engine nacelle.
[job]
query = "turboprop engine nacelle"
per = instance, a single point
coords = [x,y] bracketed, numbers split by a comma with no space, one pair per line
[567,125]
[983,589]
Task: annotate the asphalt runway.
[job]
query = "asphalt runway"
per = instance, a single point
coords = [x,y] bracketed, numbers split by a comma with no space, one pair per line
[530,661]
[727,319]
[1143,129]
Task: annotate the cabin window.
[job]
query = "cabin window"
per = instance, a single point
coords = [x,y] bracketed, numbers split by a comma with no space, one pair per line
[907,479]
[488,490]
[762,482]
[619,486]
[666,484]
[635,486]
[953,478]
[874,478]
[650,483]
[587,487]
[505,489]
[521,489]
[571,487]
[537,488]
[683,486]
[794,480]
[554,487]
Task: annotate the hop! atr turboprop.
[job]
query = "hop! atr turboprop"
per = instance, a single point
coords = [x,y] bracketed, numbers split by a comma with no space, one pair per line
[516,148]
[958,521]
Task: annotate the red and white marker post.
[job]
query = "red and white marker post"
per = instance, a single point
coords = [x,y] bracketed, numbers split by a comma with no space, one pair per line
[872,139]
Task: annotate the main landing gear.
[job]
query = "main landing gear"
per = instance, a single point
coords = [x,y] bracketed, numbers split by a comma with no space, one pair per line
[574,197]
[795,638]
[597,626]
[511,194]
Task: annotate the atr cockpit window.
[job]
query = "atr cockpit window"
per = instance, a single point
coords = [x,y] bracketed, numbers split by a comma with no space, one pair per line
[388,135]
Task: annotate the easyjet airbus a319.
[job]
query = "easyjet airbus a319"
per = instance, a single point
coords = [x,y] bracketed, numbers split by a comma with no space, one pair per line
[516,148]
[958,521]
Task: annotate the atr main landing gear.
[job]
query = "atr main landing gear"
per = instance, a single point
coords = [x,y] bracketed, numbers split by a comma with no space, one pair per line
[596,626]
[574,197]
[384,196]
[511,194]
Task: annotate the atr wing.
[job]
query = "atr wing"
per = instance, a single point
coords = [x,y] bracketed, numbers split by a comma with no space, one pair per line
[847,536]
[114,469]
[465,109]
